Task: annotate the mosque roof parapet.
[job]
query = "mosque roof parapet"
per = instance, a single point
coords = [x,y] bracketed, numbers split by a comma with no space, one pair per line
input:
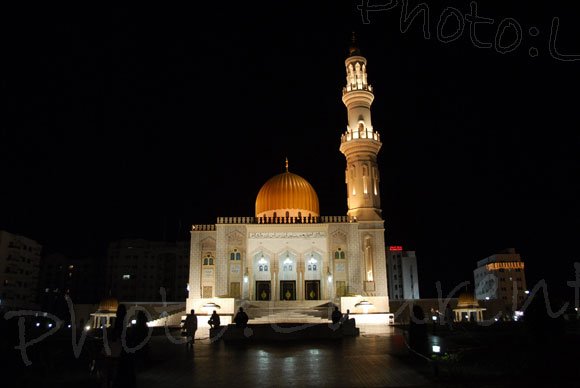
[203,228]
[273,220]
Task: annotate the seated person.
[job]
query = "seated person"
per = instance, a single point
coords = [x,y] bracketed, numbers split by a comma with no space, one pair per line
[214,320]
[241,318]
[345,317]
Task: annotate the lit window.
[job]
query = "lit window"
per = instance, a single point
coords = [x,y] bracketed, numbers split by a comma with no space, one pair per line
[125,277]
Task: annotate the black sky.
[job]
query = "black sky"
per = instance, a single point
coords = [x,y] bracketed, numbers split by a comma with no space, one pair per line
[137,122]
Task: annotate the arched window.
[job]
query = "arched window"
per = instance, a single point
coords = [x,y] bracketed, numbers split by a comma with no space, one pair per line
[339,254]
[208,260]
[235,255]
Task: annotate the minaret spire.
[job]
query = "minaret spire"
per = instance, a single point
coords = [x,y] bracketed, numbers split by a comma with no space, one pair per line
[286,164]
[353,49]
[360,144]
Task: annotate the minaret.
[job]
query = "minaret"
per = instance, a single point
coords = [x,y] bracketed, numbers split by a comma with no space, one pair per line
[361,143]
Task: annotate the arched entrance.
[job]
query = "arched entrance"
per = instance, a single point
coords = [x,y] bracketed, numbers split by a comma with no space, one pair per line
[312,275]
[287,275]
[262,277]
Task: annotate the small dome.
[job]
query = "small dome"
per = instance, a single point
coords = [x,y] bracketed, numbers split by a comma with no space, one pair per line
[467,300]
[108,304]
[287,192]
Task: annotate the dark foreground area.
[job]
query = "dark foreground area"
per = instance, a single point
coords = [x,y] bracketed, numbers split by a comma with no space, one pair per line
[502,355]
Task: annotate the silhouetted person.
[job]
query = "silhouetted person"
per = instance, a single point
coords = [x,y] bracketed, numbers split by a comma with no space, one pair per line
[214,320]
[336,315]
[123,369]
[190,326]
[112,353]
[241,318]
[545,335]
[418,331]
[346,316]
[449,316]
[138,338]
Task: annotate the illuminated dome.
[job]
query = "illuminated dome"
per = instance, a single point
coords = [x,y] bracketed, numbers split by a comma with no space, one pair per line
[287,194]
[108,304]
[467,300]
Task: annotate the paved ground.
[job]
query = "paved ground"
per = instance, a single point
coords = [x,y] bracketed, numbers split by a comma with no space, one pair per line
[379,357]
[364,361]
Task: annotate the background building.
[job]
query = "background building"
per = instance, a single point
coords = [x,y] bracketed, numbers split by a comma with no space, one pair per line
[402,270]
[137,269]
[501,276]
[19,268]
[59,276]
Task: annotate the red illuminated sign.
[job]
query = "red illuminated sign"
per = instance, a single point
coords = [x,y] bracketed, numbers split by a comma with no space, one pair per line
[395,248]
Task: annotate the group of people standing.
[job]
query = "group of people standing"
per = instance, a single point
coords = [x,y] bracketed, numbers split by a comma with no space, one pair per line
[190,323]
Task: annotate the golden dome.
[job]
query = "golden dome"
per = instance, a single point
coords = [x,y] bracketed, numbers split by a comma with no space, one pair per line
[467,300]
[287,192]
[108,304]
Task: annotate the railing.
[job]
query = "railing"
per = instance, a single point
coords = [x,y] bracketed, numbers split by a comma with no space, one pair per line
[235,220]
[203,228]
[365,134]
[356,87]
[274,220]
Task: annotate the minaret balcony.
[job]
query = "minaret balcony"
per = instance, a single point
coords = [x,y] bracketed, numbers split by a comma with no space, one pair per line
[356,87]
[360,135]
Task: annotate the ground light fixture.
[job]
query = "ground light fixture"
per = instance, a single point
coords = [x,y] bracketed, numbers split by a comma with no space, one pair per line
[365,305]
[436,349]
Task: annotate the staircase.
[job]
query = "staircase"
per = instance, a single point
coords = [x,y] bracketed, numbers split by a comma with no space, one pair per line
[288,311]
[171,318]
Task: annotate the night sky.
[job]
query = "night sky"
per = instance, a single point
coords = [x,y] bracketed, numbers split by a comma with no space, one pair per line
[138,122]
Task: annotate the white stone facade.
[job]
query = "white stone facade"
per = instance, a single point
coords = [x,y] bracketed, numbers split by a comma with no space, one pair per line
[231,261]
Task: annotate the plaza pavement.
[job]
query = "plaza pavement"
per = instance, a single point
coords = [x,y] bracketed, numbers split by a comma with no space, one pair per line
[365,361]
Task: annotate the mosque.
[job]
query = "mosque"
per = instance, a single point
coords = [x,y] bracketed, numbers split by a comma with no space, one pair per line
[290,256]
